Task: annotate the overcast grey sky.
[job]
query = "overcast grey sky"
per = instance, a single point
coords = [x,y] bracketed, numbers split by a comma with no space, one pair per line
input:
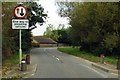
[54,18]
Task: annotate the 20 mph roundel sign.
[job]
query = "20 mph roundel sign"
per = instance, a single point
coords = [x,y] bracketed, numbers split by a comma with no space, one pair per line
[20,11]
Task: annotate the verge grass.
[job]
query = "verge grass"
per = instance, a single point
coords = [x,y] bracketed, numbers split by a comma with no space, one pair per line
[9,63]
[86,55]
[13,60]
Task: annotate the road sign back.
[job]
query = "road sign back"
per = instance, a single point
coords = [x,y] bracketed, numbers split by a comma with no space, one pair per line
[20,11]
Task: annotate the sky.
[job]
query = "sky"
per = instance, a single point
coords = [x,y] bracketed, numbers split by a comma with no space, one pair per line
[54,19]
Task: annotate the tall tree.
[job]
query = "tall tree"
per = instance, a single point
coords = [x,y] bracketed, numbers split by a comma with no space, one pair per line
[11,37]
[7,32]
[94,25]
[36,14]
[60,34]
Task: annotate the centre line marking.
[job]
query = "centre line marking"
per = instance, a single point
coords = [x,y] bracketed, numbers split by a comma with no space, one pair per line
[58,59]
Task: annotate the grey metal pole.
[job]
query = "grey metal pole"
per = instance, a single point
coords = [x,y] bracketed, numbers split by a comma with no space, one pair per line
[20,50]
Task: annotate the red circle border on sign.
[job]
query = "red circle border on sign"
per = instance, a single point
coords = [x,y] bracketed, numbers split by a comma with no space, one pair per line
[25,10]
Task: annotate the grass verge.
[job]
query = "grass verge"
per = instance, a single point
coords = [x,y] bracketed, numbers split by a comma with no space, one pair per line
[9,63]
[86,55]
[14,59]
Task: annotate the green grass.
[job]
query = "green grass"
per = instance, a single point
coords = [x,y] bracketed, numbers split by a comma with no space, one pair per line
[9,63]
[86,55]
[13,60]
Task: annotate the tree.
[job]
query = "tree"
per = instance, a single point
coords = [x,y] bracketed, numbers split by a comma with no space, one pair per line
[94,25]
[36,14]
[49,30]
[60,34]
[10,37]
[64,8]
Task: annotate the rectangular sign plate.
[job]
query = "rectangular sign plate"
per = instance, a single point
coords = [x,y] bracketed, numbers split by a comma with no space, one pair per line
[20,23]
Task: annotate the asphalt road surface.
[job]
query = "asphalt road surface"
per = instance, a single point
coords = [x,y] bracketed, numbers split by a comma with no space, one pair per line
[55,64]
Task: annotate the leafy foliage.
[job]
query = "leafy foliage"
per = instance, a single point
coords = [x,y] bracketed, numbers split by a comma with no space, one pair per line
[95,26]
[60,35]
[35,13]
[10,37]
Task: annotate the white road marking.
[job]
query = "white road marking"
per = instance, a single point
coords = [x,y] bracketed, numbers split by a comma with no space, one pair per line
[35,68]
[32,74]
[58,59]
[25,77]
[95,71]
[114,74]
[83,59]
[54,57]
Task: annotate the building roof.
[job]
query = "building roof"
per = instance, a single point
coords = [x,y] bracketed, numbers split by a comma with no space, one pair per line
[44,40]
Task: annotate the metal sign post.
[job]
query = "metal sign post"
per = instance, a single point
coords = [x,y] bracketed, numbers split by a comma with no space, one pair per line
[20,22]
[20,49]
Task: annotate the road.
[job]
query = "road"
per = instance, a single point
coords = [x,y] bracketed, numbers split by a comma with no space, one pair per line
[54,64]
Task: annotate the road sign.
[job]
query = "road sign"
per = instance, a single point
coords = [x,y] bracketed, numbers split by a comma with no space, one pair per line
[20,11]
[20,23]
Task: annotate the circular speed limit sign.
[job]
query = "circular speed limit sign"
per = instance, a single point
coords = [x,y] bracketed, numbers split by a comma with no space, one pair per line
[20,11]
